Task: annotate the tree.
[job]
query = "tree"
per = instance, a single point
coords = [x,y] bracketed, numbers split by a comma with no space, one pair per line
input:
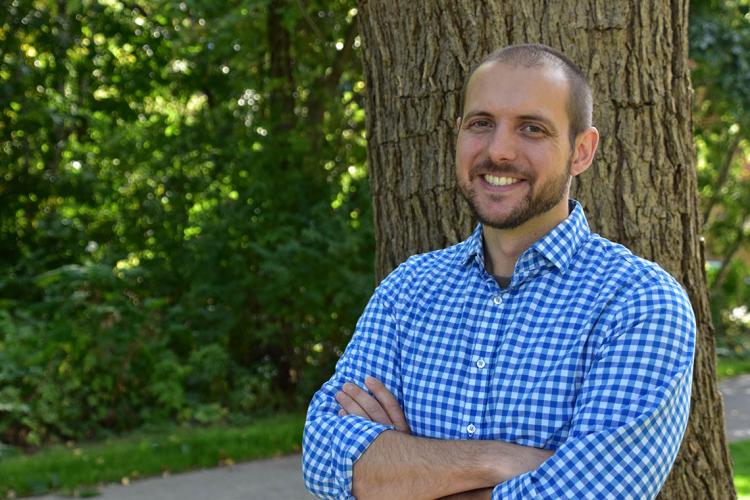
[641,191]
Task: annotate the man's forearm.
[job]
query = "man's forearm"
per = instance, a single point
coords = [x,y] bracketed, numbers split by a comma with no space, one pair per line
[397,465]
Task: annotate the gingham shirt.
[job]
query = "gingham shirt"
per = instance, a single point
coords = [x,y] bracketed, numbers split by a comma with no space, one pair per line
[588,353]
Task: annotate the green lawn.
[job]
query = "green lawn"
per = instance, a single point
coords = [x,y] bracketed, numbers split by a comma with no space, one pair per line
[78,469]
[741,458]
[731,367]
[725,368]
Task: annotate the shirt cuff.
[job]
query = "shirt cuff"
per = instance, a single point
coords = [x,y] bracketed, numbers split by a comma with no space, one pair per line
[517,487]
[355,436]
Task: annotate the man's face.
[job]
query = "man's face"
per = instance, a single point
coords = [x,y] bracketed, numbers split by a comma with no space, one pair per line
[513,154]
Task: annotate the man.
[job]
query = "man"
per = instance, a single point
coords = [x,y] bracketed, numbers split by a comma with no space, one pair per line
[533,360]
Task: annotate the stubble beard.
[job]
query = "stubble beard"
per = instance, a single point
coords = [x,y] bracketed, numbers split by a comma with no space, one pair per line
[533,204]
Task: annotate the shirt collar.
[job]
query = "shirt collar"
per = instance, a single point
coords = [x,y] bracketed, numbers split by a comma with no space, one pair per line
[558,246]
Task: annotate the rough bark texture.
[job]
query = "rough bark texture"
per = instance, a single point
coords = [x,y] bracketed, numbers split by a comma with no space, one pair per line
[641,190]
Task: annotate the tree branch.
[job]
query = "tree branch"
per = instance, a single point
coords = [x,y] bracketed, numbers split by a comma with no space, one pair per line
[310,22]
[723,176]
[740,238]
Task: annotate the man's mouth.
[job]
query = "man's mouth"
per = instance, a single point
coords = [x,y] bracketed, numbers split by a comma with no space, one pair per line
[500,181]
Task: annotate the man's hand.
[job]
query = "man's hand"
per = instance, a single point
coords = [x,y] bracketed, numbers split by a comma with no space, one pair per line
[383,408]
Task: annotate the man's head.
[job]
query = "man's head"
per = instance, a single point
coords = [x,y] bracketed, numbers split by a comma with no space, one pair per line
[580,100]
[517,145]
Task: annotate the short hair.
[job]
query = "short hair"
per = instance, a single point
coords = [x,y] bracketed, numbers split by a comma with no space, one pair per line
[580,100]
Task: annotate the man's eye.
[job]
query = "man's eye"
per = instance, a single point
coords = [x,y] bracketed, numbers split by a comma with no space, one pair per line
[533,129]
[480,124]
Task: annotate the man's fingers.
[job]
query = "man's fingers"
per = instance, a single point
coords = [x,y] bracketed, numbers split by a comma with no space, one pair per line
[369,404]
[349,406]
[389,404]
[381,406]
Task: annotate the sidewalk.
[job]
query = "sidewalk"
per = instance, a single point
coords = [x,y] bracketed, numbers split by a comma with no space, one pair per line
[281,478]
[736,392]
[277,478]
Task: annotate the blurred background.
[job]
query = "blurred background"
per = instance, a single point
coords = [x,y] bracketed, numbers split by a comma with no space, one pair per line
[186,235]
[185,227]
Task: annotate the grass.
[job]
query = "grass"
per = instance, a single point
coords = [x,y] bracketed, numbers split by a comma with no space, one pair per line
[78,470]
[741,459]
[731,367]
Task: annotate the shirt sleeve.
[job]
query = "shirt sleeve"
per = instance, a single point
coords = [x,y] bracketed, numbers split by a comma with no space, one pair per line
[632,409]
[331,443]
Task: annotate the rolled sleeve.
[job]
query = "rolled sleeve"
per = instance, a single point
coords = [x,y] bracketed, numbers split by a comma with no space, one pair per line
[632,410]
[332,443]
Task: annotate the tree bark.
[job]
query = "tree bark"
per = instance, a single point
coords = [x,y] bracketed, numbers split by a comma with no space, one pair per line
[640,192]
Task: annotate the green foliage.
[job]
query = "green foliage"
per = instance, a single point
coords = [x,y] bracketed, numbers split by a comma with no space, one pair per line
[175,219]
[719,41]
[72,360]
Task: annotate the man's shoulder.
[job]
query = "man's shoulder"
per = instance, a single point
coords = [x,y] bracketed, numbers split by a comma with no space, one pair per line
[451,256]
[640,301]
[618,266]
[434,268]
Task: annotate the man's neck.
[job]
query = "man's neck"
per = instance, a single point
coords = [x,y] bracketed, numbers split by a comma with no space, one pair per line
[502,247]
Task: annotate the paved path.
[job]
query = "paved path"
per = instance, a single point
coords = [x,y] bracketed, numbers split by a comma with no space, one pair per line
[280,478]
[277,478]
[736,392]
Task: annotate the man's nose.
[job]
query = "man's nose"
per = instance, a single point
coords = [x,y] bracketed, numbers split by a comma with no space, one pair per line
[502,146]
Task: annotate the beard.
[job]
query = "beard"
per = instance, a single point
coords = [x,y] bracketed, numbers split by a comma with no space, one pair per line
[540,199]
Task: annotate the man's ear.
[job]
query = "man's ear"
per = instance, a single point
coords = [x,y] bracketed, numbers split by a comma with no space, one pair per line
[584,150]
[458,124]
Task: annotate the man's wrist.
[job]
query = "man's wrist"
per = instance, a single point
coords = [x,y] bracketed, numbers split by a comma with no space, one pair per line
[399,465]
[511,460]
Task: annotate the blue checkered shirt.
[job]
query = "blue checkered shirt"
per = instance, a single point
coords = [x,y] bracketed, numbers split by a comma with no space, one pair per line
[588,352]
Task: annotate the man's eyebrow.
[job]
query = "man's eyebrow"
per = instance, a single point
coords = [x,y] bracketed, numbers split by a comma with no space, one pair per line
[472,114]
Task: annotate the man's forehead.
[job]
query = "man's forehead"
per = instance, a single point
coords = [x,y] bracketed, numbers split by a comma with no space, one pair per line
[542,72]
[506,82]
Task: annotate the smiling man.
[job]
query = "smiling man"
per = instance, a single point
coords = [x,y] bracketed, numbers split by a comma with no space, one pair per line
[533,360]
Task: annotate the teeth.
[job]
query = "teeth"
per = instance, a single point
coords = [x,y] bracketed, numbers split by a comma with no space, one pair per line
[500,181]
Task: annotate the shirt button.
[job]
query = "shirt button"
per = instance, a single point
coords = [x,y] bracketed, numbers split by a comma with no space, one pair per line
[471,429]
[497,300]
[481,363]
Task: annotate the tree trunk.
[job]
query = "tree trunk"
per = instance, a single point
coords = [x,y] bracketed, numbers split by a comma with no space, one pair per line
[641,190]
[281,78]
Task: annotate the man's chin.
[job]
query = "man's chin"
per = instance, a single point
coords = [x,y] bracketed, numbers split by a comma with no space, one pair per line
[499,221]
[508,223]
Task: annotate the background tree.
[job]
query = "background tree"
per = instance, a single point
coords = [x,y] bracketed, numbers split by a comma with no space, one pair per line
[641,191]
